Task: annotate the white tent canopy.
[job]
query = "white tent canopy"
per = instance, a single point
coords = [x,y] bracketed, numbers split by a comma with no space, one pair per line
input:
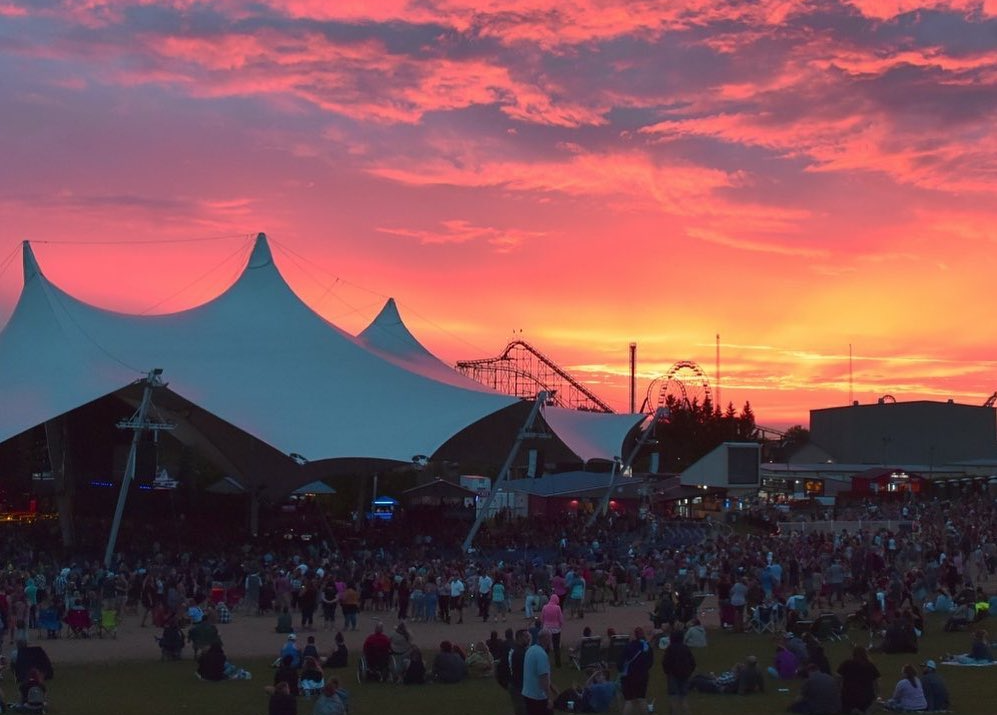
[590,435]
[388,336]
[255,356]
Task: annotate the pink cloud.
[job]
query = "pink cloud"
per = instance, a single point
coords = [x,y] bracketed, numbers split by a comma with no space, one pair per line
[888,9]
[456,231]
[9,10]
[396,88]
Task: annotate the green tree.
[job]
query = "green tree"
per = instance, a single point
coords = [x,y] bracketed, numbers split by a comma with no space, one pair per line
[692,430]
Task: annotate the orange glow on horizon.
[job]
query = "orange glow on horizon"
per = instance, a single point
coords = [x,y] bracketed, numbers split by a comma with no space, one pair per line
[795,178]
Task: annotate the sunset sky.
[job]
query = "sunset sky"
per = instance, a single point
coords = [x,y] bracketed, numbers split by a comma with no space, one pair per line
[795,176]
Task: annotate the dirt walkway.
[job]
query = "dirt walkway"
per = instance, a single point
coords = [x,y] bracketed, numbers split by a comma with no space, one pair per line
[252,636]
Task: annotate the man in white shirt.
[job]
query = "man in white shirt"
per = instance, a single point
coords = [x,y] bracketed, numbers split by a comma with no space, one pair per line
[457,597]
[485,584]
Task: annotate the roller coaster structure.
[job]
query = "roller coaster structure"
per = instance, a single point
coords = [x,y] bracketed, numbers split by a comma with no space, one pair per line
[522,371]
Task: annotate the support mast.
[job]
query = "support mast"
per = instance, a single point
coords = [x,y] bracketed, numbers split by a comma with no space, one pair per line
[138,423]
[525,433]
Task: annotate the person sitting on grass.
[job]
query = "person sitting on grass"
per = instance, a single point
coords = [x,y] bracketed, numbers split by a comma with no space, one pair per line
[785,665]
[979,650]
[339,658]
[310,650]
[415,673]
[212,663]
[401,645]
[816,654]
[287,673]
[936,694]
[311,681]
[908,695]
[899,637]
[281,701]
[695,634]
[448,667]
[171,643]
[596,696]
[749,677]
[290,649]
[961,617]
[214,666]
[819,695]
[479,661]
[333,700]
[202,634]
[285,624]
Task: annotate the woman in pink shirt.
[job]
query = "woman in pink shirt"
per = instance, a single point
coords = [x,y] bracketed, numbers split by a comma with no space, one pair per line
[552,619]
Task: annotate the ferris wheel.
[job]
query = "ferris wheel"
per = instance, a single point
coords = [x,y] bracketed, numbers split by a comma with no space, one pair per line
[685,381]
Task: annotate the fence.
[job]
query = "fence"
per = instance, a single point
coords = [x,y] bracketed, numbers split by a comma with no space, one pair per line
[805,527]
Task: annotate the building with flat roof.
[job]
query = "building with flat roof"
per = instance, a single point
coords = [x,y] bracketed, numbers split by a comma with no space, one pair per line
[920,432]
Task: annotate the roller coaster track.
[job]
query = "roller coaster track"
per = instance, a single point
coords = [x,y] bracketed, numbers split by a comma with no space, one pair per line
[521,370]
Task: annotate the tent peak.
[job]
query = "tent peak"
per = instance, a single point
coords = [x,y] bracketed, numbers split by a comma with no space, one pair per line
[389,313]
[31,268]
[261,255]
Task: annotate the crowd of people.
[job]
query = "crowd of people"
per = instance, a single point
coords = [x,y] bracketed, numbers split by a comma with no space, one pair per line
[553,569]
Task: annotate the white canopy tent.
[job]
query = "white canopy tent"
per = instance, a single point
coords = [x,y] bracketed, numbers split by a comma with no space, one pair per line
[256,357]
[590,435]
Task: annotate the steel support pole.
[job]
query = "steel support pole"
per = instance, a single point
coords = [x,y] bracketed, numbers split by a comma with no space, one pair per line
[151,381]
[503,474]
[645,434]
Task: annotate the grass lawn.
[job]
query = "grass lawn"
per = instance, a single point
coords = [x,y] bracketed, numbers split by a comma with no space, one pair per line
[156,688]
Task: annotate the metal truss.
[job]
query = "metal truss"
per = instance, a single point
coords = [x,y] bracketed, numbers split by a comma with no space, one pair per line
[522,371]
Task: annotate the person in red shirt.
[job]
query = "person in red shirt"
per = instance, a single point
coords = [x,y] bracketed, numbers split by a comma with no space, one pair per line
[377,649]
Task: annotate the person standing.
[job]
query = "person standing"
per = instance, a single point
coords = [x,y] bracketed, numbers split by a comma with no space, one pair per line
[457,597]
[485,583]
[738,600]
[678,664]
[552,621]
[308,602]
[443,591]
[634,668]
[517,656]
[499,601]
[538,690]
[350,603]
[329,601]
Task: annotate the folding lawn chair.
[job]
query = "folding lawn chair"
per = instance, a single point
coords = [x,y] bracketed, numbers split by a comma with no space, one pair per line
[48,621]
[108,623]
[79,623]
[762,620]
[589,654]
[617,644]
